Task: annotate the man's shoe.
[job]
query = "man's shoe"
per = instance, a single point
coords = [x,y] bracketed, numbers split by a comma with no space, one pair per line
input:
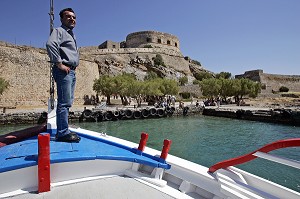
[71,137]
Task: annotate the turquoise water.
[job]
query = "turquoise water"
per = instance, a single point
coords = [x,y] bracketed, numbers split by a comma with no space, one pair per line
[208,140]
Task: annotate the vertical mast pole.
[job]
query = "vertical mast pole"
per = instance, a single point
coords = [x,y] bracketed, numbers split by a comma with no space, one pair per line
[51,14]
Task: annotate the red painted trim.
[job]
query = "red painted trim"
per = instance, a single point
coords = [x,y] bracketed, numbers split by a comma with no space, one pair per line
[294,142]
[143,141]
[166,148]
[44,163]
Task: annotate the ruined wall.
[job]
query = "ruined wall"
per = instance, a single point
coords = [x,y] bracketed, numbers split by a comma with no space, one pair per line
[273,82]
[28,72]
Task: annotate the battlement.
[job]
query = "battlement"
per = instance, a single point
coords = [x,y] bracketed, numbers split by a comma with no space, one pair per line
[97,51]
[153,38]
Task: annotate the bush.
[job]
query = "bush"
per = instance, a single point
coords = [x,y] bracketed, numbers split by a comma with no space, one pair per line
[185,95]
[3,85]
[183,80]
[158,60]
[196,81]
[196,62]
[148,46]
[283,89]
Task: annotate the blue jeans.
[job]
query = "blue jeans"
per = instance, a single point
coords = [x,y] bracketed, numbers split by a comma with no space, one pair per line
[65,96]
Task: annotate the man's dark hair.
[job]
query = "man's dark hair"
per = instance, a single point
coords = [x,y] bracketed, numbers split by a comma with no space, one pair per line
[61,13]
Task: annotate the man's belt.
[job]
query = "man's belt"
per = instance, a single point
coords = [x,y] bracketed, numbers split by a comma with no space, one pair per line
[68,65]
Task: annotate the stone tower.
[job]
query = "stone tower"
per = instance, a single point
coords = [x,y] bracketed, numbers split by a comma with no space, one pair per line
[154,39]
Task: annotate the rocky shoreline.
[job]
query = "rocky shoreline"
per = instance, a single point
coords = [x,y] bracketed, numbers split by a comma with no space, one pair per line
[280,116]
[285,116]
[93,114]
[255,111]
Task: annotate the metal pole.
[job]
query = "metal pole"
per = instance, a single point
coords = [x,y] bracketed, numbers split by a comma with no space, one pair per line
[51,14]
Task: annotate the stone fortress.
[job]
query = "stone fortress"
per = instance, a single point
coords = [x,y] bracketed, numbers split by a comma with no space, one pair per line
[144,39]
[28,71]
[156,39]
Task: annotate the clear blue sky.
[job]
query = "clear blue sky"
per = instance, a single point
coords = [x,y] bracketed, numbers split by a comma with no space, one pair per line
[224,35]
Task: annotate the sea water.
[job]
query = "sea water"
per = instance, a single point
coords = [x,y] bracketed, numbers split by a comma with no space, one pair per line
[207,140]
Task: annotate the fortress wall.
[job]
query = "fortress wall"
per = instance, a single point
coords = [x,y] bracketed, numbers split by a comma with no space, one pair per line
[273,81]
[94,50]
[28,72]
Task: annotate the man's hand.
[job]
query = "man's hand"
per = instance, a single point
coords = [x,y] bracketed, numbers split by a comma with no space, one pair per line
[63,67]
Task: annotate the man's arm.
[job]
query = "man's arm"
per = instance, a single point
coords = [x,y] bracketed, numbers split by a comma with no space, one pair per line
[53,45]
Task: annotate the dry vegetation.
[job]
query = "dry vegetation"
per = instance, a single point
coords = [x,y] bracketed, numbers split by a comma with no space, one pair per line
[276,102]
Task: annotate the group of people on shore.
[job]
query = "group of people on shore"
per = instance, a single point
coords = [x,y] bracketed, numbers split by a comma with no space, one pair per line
[166,101]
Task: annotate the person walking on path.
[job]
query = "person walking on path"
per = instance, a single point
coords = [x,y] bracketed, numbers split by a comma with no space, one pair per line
[218,101]
[63,52]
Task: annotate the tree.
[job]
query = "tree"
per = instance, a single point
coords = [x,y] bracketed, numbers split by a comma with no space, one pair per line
[210,87]
[203,75]
[227,88]
[169,87]
[3,85]
[105,85]
[152,87]
[246,87]
[225,75]
[151,75]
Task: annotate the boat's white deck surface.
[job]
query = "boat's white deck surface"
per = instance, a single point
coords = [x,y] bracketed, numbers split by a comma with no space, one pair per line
[112,187]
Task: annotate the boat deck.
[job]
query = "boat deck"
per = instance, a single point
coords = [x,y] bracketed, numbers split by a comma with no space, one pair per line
[25,153]
[112,187]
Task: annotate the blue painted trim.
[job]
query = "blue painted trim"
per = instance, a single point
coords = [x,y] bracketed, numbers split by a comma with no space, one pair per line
[20,157]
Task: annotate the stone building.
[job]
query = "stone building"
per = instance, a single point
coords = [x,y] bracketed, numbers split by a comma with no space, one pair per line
[110,45]
[142,39]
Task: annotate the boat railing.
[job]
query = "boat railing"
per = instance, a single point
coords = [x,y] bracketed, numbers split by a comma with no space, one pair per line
[278,159]
[262,153]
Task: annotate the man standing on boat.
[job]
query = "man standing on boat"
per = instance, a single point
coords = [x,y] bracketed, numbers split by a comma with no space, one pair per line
[63,52]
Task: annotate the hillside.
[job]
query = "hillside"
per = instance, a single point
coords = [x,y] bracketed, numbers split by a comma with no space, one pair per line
[28,71]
